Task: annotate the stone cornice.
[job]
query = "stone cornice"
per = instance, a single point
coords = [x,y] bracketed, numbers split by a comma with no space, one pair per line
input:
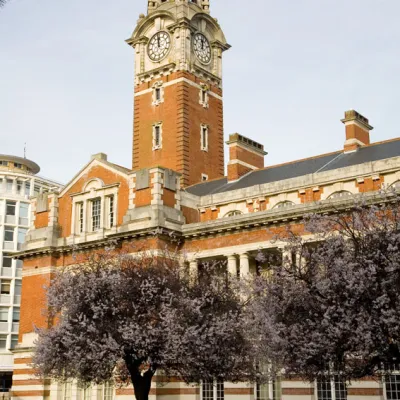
[271,217]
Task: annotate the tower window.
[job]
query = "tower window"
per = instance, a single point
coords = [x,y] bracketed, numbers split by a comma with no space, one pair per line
[204,137]
[158,93]
[157,136]
[203,100]
[204,177]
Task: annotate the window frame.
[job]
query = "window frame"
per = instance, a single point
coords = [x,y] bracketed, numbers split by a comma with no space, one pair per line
[204,96]
[204,137]
[158,93]
[95,220]
[273,390]
[157,136]
[216,389]
[334,384]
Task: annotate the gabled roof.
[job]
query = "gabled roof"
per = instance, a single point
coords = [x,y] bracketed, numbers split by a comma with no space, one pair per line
[322,163]
[106,164]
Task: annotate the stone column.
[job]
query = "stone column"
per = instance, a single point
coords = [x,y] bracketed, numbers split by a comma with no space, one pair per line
[232,265]
[244,265]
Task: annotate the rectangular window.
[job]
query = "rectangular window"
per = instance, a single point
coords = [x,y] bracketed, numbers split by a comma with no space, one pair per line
[108,391]
[80,217]
[3,314]
[331,388]
[24,214]
[9,185]
[87,393]
[5,286]
[16,315]
[157,94]
[7,262]
[14,341]
[67,391]
[96,214]
[204,137]
[212,390]
[17,165]
[269,391]
[157,136]
[4,163]
[10,207]
[3,342]
[21,237]
[8,234]
[392,387]
[27,188]
[111,213]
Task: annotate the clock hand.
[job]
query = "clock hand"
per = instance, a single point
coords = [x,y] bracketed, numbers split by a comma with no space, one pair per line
[158,41]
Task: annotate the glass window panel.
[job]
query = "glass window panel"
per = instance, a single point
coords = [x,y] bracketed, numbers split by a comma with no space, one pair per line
[9,185]
[9,234]
[108,391]
[17,288]
[21,235]
[27,188]
[16,314]
[392,387]
[7,262]
[96,214]
[5,287]
[10,207]
[14,341]
[24,210]
[3,314]
[3,342]
[324,389]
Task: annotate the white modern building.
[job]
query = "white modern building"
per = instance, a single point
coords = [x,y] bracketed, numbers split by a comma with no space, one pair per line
[18,182]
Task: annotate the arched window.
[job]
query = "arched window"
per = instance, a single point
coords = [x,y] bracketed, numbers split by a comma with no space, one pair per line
[340,195]
[233,213]
[284,204]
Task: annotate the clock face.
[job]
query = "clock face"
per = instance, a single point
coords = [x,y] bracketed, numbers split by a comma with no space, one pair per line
[159,46]
[202,48]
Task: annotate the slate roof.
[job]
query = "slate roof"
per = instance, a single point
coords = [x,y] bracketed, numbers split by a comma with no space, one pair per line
[325,162]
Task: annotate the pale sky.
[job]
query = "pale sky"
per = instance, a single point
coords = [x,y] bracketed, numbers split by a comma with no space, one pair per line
[295,66]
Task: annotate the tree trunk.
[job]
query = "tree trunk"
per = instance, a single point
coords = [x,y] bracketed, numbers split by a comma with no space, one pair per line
[141,382]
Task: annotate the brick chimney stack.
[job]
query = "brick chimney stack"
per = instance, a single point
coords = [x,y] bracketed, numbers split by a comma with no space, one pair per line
[357,131]
[245,155]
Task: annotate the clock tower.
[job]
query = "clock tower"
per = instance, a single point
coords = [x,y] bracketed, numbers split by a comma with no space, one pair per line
[178,108]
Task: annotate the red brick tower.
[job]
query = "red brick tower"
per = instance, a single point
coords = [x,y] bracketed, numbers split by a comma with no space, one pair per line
[178,107]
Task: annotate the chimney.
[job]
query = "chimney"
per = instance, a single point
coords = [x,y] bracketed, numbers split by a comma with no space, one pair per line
[245,155]
[357,131]
[99,156]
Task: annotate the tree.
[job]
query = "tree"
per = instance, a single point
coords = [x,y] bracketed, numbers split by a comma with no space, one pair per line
[336,309]
[2,2]
[120,315]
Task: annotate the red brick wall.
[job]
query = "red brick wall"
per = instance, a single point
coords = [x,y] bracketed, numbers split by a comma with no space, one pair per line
[181,115]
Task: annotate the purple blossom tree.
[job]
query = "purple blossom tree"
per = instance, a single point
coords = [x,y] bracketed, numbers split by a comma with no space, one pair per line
[333,305]
[116,315]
